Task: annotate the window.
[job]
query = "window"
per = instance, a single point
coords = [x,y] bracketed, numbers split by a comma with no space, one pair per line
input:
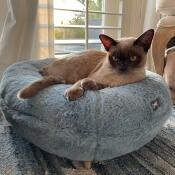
[78,23]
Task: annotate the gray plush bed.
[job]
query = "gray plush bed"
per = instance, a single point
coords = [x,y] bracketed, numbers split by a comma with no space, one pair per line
[101,125]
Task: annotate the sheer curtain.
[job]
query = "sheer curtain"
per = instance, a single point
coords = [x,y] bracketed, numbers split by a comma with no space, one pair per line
[26,30]
[139,15]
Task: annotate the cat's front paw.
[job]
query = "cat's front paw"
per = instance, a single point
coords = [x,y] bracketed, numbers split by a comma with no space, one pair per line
[74,93]
[88,84]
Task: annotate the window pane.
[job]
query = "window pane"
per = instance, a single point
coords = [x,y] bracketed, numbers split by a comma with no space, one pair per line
[66,49]
[95,5]
[66,17]
[105,20]
[95,19]
[94,33]
[70,37]
[114,33]
[69,33]
[70,4]
[94,46]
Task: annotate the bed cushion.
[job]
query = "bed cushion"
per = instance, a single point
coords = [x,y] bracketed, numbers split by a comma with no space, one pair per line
[100,125]
[166,7]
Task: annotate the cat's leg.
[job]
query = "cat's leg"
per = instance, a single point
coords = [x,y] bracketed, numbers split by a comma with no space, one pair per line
[88,84]
[37,86]
[74,92]
[78,89]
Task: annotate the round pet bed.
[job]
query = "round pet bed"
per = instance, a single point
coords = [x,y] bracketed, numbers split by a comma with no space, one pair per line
[100,125]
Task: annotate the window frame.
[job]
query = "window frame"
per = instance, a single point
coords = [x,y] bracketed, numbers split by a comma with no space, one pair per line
[105,27]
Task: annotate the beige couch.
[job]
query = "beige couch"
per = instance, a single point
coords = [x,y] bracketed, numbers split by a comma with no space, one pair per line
[165,61]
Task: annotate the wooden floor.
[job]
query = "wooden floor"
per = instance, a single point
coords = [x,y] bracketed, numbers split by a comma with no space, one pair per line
[157,158]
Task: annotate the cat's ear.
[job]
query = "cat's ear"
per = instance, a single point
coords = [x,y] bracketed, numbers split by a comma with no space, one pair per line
[145,40]
[107,41]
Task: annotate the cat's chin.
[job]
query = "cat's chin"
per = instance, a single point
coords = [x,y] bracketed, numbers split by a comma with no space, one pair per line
[123,71]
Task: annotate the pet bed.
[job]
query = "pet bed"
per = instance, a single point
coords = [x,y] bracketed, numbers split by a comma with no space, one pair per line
[100,125]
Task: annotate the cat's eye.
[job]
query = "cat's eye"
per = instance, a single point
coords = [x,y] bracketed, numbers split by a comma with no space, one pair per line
[114,58]
[133,58]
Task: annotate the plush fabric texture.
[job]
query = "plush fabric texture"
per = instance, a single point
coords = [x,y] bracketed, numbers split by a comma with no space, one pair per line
[100,125]
[167,21]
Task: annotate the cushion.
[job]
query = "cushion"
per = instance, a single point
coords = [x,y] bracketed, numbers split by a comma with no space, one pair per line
[100,125]
[168,21]
[166,7]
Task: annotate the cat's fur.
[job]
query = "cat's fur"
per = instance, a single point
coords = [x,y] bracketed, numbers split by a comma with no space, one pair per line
[123,63]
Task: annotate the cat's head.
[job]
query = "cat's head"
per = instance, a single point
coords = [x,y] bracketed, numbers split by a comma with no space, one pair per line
[128,53]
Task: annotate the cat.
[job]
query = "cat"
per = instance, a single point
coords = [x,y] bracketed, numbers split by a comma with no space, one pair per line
[122,63]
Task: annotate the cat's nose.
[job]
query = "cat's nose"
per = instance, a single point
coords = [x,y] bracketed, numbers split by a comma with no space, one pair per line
[123,69]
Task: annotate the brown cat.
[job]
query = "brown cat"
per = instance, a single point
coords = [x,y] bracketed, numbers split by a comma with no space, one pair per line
[123,63]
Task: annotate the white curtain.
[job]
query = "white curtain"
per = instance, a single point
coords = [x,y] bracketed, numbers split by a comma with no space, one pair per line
[139,15]
[22,25]
[16,29]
